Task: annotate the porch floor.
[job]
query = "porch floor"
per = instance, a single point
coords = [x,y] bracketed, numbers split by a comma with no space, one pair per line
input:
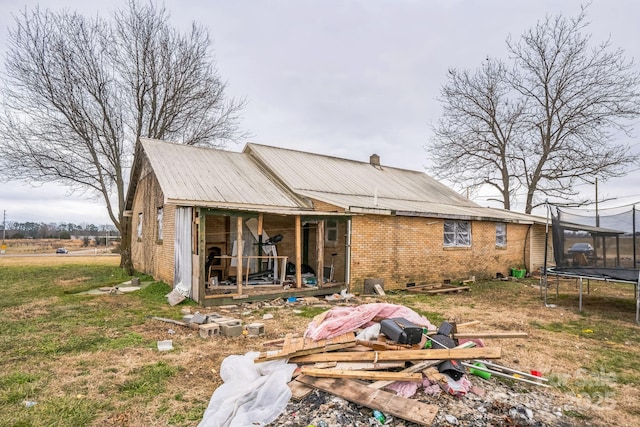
[227,295]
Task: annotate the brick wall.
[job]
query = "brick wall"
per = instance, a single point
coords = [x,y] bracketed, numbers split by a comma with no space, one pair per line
[150,254]
[402,250]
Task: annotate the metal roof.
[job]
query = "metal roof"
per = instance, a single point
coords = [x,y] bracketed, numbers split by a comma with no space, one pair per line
[215,177]
[341,179]
[278,180]
[360,187]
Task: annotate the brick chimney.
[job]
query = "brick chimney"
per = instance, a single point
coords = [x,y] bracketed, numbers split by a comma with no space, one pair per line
[374,160]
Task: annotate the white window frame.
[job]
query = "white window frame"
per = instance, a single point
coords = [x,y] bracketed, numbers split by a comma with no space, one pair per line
[501,234]
[139,229]
[331,231]
[457,234]
[160,219]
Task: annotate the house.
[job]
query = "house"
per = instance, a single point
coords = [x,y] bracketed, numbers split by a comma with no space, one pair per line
[348,219]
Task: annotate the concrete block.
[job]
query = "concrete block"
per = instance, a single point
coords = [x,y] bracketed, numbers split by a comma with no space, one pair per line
[198,318]
[231,328]
[209,330]
[187,318]
[255,329]
[228,321]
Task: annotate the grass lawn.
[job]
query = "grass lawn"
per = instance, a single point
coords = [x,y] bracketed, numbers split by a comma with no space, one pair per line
[93,360]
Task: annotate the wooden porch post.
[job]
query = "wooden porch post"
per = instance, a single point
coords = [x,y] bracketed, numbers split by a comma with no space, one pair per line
[298,252]
[260,226]
[320,252]
[239,246]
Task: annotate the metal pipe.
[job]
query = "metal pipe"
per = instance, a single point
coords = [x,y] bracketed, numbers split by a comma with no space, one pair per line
[503,375]
[504,368]
[347,266]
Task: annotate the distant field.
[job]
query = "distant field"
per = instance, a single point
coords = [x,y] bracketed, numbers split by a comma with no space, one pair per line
[52,260]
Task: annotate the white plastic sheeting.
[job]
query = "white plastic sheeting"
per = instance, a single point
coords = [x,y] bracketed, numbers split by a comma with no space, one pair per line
[252,393]
[182,252]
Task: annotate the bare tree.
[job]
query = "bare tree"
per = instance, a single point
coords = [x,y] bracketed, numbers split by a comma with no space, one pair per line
[476,139]
[79,93]
[570,103]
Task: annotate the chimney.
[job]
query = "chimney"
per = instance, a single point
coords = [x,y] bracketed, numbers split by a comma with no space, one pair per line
[374,160]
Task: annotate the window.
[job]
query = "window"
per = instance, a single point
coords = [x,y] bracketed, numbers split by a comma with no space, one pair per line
[160,219]
[331,231]
[501,235]
[139,230]
[457,233]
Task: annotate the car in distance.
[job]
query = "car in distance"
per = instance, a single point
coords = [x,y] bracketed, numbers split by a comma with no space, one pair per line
[582,248]
[62,251]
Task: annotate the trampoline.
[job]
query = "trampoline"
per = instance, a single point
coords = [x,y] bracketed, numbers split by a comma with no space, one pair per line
[567,268]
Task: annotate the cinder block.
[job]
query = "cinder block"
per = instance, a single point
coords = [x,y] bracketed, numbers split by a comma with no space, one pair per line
[209,330]
[255,329]
[228,321]
[231,329]
[198,318]
[187,318]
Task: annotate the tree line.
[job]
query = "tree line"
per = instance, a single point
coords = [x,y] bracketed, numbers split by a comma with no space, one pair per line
[60,230]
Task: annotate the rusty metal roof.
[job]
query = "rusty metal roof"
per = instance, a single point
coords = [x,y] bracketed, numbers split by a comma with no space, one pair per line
[212,177]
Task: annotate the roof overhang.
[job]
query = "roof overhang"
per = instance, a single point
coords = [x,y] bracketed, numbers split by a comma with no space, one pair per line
[275,210]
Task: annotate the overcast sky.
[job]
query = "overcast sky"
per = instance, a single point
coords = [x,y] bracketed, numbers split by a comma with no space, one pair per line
[343,78]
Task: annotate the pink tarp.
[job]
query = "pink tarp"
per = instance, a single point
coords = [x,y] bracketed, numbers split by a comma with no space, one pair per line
[340,320]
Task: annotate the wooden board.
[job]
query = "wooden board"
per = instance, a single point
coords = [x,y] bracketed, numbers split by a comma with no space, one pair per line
[364,366]
[489,334]
[362,375]
[388,403]
[438,289]
[298,346]
[384,356]
[298,390]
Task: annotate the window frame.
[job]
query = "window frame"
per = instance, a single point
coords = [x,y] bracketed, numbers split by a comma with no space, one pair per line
[331,231]
[501,235]
[160,223]
[454,232]
[139,226]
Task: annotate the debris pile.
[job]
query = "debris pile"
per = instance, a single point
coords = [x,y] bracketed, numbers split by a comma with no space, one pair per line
[387,358]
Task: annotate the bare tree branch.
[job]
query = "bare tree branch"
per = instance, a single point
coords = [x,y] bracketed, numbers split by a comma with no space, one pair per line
[553,122]
[79,92]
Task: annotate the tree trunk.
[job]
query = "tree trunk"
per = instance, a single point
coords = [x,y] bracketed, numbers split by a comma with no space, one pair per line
[125,245]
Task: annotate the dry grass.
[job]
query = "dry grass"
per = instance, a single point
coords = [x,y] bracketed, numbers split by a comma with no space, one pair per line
[53,260]
[559,344]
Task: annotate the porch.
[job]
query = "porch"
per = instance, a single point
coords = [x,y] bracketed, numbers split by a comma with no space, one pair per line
[252,256]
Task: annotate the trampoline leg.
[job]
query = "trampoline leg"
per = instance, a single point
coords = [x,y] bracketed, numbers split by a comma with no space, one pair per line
[638,301]
[580,298]
[588,286]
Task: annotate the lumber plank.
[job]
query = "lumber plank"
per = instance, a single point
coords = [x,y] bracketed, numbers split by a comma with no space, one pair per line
[362,375]
[419,366]
[300,346]
[364,366]
[445,290]
[385,356]
[298,390]
[466,324]
[489,334]
[432,289]
[353,391]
